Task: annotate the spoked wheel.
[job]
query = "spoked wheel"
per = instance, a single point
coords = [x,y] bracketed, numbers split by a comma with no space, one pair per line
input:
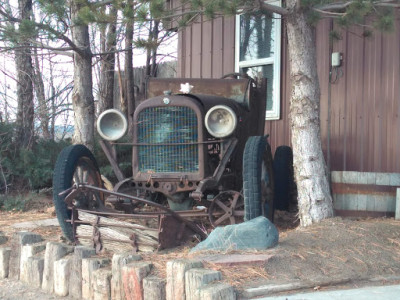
[75,165]
[226,208]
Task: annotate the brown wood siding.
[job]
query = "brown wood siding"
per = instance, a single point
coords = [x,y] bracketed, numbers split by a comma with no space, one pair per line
[207,49]
[279,130]
[364,102]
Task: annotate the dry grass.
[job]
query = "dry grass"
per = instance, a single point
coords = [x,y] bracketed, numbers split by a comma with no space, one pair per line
[334,248]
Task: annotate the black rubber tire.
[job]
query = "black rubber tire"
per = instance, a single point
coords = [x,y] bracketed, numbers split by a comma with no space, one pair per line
[258,179]
[284,178]
[67,162]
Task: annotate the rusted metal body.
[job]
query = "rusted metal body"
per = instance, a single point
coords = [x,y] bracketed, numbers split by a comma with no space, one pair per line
[174,227]
[240,95]
[237,90]
[176,159]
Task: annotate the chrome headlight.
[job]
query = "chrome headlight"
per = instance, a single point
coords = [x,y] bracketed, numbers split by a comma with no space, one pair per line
[220,121]
[112,125]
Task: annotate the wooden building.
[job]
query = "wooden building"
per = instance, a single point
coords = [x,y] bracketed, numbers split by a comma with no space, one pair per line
[360,102]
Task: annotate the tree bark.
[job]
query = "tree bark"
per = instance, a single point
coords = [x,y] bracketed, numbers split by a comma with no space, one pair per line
[82,94]
[40,95]
[23,61]
[129,84]
[314,198]
[106,87]
[156,32]
[151,56]
[52,104]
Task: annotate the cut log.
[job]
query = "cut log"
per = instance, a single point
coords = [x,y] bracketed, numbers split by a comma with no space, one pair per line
[154,288]
[75,279]
[34,268]
[216,291]
[196,278]
[176,270]
[132,279]
[54,252]
[4,262]
[89,265]
[101,284]
[116,234]
[61,270]
[28,251]
[18,240]
[120,260]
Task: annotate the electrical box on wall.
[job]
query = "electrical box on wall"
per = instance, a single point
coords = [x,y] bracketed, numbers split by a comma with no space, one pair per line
[336,59]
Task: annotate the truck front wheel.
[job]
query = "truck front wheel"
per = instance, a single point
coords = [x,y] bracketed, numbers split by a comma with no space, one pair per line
[258,183]
[75,164]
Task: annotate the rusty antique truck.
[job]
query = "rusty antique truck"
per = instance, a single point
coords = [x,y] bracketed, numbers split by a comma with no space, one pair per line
[200,153]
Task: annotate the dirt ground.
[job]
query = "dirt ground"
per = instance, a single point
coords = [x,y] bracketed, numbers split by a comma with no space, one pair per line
[334,249]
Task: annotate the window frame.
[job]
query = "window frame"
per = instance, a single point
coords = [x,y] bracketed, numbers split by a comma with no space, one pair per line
[274,113]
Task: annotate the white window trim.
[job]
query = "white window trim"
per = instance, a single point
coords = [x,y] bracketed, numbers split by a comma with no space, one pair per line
[274,113]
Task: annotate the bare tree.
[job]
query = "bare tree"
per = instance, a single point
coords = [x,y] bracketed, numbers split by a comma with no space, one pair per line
[82,95]
[129,80]
[43,111]
[107,60]
[23,61]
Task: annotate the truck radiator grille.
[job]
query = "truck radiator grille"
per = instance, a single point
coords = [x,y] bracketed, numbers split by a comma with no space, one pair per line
[164,128]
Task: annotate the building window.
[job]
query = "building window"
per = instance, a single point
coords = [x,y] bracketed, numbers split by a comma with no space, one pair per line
[258,53]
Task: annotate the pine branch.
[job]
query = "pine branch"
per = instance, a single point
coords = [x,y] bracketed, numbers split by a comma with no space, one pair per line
[48,29]
[58,50]
[273,8]
[338,6]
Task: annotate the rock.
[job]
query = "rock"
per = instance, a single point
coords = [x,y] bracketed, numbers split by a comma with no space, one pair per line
[256,234]
[228,260]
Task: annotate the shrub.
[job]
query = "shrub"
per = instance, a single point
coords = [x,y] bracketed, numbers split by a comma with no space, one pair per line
[36,165]
[26,169]
[13,202]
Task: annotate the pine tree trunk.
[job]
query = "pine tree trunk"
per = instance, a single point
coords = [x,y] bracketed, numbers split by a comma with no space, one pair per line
[315,201]
[106,86]
[53,109]
[40,95]
[129,80]
[23,61]
[82,94]
[156,32]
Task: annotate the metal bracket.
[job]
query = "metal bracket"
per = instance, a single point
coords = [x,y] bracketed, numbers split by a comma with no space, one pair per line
[219,171]
[134,243]
[97,236]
